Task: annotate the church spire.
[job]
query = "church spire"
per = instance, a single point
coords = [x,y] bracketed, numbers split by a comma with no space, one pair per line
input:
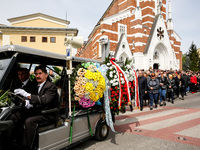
[170,10]
[138,3]
[169,21]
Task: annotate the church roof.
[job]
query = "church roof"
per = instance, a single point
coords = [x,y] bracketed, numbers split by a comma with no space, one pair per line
[151,33]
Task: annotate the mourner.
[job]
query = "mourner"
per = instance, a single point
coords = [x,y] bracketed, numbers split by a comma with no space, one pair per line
[153,86]
[142,83]
[171,88]
[163,88]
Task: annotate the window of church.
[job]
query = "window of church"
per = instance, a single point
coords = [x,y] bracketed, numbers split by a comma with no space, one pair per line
[122,29]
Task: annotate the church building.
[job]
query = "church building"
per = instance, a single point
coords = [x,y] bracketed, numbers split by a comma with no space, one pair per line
[138,30]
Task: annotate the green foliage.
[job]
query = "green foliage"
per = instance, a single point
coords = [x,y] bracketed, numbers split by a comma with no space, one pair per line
[194,58]
[57,70]
[32,77]
[186,62]
[4,99]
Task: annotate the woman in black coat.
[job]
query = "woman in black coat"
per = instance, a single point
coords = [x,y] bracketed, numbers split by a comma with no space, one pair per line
[171,88]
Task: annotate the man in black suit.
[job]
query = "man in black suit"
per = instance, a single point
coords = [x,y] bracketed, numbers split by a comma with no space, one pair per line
[142,83]
[25,82]
[42,96]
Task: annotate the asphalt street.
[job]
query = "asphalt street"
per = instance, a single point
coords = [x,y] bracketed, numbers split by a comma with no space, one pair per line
[181,119]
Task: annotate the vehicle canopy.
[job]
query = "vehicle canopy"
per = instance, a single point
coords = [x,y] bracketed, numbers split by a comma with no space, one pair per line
[11,53]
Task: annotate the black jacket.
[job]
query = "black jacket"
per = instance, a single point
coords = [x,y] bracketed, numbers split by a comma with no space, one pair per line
[186,79]
[47,98]
[26,87]
[155,84]
[142,83]
[172,84]
[164,81]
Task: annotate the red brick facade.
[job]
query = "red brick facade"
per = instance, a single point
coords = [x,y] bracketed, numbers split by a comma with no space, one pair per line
[138,30]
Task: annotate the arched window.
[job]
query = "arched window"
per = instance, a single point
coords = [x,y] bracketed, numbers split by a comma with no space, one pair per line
[123,57]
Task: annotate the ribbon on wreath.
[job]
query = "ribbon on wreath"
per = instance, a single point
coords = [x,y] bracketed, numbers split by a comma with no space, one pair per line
[137,101]
[103,69]
[120,71]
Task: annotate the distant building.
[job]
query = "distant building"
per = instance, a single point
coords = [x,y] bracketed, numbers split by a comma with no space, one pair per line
[38,31]
[138,30]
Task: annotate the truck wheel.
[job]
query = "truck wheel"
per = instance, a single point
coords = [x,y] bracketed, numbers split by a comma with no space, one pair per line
[102,130]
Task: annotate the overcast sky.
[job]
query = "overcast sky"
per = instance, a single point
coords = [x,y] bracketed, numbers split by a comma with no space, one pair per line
[84,14]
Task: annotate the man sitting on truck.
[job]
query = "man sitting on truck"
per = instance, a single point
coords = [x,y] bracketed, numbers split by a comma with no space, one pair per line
[43,96]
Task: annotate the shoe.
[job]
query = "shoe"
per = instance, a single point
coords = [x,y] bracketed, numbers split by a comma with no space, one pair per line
[161,104]
[165,104]
[141,109]
[172,102]
[168,100]
[183,98]
[156,106]
[151,108]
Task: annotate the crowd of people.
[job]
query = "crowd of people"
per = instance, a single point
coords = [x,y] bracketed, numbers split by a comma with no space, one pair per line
[159,86]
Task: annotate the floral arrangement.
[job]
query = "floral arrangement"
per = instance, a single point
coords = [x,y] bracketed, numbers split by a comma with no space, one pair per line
[122,84]
[114,87]
[4,100]
[130,76]
[89,85]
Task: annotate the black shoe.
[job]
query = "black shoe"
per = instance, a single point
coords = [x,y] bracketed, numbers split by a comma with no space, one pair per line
[168,100]
[156,106]
[172,102]
[151,108]
[141,109]
[161,105]
[165,104]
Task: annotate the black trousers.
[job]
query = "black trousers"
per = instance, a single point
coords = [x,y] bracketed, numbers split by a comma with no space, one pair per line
[141,97]
[171,95]
[182,91]
[193,87]
[31,122]
[31,125]
[177,91]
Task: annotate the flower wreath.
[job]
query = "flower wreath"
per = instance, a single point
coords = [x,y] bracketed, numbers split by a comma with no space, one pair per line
[89,85]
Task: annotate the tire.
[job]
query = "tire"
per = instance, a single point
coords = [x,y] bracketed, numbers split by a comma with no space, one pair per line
[102,131]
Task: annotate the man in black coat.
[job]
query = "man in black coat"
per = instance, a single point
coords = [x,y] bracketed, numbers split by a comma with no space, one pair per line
[142,83]
[186,81]
[42,96]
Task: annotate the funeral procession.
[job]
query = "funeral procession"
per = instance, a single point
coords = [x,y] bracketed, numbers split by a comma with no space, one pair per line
[121,74]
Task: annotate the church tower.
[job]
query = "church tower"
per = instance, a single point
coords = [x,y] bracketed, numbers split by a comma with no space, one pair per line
[170,21]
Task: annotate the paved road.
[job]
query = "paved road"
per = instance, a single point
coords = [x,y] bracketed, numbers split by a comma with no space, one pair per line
[159,128]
